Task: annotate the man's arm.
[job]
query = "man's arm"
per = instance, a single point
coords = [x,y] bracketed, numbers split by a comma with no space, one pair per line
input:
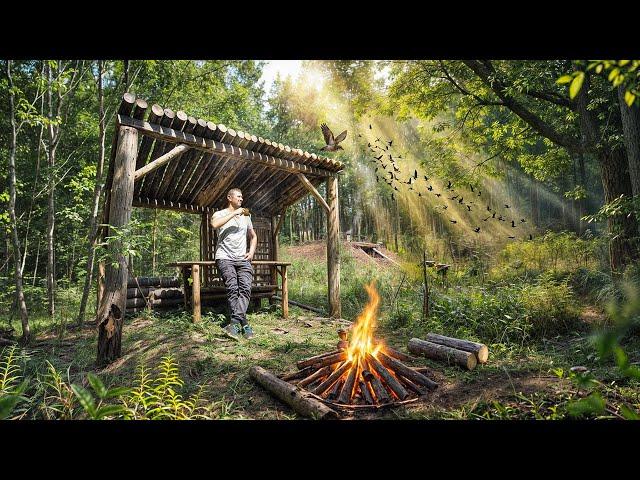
[253,243]
[220,221]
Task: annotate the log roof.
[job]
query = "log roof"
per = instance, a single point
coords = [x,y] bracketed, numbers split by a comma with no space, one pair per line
[195,179]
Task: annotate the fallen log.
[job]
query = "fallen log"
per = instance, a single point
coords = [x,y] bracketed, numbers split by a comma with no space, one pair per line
[402,370]
[340,356]
[389,379]
[480,350]
[312,360]
[153,282]
[301,305]
[450,355]
[320,389]
[301,401]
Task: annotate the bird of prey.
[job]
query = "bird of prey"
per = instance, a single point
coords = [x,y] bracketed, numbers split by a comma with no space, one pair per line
[332,143]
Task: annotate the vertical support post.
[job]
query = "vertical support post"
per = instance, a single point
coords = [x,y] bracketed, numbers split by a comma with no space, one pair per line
[195,274]
[111,312]
[185,282]
[285,293]
[333,248]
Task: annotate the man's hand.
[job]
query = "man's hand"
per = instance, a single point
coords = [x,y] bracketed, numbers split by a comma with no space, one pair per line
[249,255]
[238,211]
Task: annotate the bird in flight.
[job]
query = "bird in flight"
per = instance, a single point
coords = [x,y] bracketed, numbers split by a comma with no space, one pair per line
[453,221]
[477,229]
[523,220]
[430,188]
[438,194]
[506,206]
[449,185]
[332,143]
[485,219]
[511,237]
[513,223]
[469,207]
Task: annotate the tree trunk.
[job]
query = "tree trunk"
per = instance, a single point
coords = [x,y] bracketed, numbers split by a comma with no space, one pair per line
[51,157]
[631,129]
[22,307]
[97,192]
[111,311]
[616,181]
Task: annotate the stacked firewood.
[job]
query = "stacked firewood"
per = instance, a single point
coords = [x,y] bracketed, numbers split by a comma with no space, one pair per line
[451,350]
[153,292]
[364,380]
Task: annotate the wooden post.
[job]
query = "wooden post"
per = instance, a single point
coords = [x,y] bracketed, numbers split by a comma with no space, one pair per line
[333,252]
[285,292]
[110,316]
[195,274]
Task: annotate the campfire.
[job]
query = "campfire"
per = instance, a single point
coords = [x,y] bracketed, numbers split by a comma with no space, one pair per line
[362,372]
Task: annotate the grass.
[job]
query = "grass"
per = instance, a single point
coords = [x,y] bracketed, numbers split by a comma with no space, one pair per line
[535,331]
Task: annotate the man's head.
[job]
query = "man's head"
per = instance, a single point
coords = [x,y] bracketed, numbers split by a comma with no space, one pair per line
[234,196]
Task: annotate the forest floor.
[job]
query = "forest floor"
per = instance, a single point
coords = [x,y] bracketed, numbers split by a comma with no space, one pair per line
[524,381]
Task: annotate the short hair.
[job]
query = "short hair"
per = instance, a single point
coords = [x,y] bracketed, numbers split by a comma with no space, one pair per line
[234,190]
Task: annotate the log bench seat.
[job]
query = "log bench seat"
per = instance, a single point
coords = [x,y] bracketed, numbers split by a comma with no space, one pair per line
[194,292]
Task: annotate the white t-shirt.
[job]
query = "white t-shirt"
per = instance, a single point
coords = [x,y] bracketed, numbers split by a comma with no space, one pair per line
[232,236]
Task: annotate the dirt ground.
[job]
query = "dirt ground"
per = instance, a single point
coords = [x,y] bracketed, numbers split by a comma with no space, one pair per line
[317,251]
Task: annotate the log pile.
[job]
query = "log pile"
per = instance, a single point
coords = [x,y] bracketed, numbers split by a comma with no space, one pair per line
[463,353]
[157,293]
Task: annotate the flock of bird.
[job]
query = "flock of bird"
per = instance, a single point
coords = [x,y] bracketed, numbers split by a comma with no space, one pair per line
[389,172]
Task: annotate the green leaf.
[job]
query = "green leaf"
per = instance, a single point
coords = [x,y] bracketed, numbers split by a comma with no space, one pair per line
[97,385]
[85,398]
[599,68]
[7,404]
[110,410]
[564,79]
[116,392]
[576,85]
[622,63]
[593,404]
[629,414]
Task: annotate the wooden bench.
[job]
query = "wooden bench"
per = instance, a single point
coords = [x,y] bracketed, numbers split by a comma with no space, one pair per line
[193,293]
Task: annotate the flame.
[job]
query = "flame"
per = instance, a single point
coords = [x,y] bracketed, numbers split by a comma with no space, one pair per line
[361,341]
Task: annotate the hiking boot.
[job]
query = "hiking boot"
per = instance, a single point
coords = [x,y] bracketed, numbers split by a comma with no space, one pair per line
[247,332]
[232,330]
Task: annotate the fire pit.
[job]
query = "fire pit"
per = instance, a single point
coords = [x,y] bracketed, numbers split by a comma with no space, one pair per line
[361,373]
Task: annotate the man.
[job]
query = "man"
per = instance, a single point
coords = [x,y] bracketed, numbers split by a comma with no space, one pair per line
[234,262]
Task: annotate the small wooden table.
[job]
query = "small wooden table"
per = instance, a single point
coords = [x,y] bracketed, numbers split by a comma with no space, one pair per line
[194,266]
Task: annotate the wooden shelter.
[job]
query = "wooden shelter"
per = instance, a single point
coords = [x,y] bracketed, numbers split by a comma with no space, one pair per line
[170,160]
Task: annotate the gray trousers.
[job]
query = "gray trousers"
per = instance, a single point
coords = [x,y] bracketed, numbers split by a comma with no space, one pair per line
[237,276]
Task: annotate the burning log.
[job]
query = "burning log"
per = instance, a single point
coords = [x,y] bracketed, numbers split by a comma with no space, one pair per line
[381,394]
[333,392]
[366,394]
[389,379]
[314,376]
[320,360]
[402,370]
[348,388]
[412,386]
[480,350]
[320,389]
[298,399]
[403,357]
[298,375]
[442,352]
